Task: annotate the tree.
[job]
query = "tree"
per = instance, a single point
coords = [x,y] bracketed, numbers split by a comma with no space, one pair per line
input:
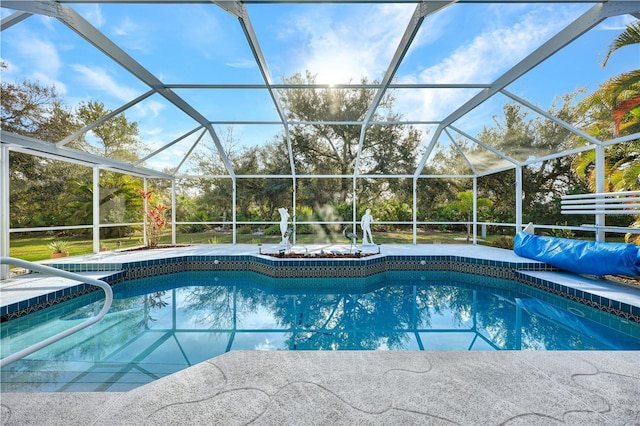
[519,135]
[614,110]
[34,110]
[624,89]
[327,148]
[321,148]
[214,194]
[119,200]
[38,194]
[464,207]
[116,138]
[42,190]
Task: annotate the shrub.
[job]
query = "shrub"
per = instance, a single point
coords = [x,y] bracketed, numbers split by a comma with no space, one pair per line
[503,242]
[58,246]
[272,230]
[154,218]
[304,229]
[244,229]
[563,233]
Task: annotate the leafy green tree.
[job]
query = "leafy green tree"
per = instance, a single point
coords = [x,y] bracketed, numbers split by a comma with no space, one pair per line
[624,90]
[214,195]
[119,201]
[321,148]
[520,135]
[38,193]
[259,199]
[43,190]
[116,138]
[34,110]
[464,208]
[327,148]
[614,110]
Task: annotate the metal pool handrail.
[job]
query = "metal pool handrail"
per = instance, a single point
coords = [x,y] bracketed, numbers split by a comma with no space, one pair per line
[64,274]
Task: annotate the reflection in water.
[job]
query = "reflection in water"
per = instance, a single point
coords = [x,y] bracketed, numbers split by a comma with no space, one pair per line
[161,325]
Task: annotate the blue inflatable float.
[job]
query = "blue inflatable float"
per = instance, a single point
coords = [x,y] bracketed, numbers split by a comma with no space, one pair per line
[581,257]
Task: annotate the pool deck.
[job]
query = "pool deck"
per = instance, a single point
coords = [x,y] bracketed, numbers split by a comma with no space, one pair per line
[348,388]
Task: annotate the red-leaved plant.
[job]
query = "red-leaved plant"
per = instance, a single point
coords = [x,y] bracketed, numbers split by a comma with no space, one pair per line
[154,219]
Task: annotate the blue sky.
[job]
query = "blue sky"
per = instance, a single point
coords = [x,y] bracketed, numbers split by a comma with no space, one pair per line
[202,43]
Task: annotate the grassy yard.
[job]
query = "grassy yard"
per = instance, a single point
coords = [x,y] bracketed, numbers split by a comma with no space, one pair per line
[34,247]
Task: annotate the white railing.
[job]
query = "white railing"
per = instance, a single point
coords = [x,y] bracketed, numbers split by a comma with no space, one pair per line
[626,202]
[64,274]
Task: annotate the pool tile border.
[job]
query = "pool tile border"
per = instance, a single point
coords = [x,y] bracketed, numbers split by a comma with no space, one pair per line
[621,309]
[313,268]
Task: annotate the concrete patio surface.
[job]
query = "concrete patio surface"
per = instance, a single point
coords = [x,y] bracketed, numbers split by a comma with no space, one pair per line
[362,388]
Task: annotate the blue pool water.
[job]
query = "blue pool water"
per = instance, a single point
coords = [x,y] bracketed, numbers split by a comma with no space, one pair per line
[160,325]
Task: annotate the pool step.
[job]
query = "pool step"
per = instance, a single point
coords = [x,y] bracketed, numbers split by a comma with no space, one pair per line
[78,376]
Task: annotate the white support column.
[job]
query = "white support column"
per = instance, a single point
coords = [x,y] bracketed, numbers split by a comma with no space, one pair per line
[235,188]
[294,206]
[96,209]
[5,224]
[173,212]
[518,198]
[145,208]
[475,210]
[355,205]
[600,188]
[415,210]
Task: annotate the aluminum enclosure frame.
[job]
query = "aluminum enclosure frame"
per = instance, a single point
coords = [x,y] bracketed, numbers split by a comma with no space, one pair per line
[63,11]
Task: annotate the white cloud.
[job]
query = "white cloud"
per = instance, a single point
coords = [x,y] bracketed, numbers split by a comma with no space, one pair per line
[133,34]
[11,71]
[39,60]
[42,56]
[47,22]
[93,14]
[267,345]
[98,79]
[617,23]
[488,54]
[155,131]
[202,32]
[242,63]
[481,60]
[150,108]
[339,49]
[60,87]
[125,27]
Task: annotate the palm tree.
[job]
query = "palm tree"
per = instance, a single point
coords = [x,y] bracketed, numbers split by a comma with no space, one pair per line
[611,111]
[625,88]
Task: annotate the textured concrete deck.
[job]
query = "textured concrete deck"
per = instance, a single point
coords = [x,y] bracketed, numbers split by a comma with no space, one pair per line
[372,388]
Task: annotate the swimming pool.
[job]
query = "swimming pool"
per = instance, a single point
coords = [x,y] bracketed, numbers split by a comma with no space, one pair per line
[163,324]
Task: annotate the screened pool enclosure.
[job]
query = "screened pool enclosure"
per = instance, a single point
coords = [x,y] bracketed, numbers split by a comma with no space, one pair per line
[436,115]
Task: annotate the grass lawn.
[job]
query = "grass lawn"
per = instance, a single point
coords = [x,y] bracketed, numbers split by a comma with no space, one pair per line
[34,247]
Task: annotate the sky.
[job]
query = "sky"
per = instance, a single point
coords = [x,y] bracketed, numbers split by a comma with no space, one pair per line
[339,43]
